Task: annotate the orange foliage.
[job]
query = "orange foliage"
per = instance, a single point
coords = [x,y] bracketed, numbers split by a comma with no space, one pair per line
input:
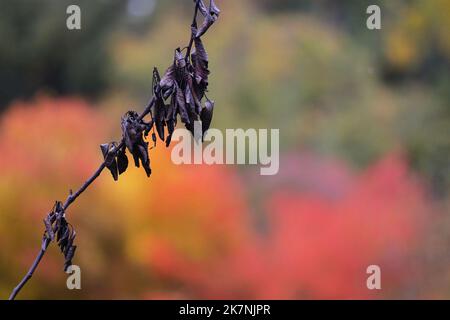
[190,231]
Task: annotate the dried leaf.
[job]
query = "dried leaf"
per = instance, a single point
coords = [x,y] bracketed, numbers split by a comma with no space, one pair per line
[213,9]
[167,82]
[201,72]
[132,131]
[160,117]
[194,91]
[180,62]
[122,161]
[181,105]
[49,228]
[206,115]
[207,23]
[110,158]
[190,125]
[202,7]
[69,257]
[210,16]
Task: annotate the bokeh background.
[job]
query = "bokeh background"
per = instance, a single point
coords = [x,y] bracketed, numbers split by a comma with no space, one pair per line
[364,135]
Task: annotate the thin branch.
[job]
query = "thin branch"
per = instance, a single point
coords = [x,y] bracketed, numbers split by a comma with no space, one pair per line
[193,25]
[66,243]
[70,199]
[45,243]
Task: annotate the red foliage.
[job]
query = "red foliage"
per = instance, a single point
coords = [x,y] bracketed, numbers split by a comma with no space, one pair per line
[188,231]
[317,246]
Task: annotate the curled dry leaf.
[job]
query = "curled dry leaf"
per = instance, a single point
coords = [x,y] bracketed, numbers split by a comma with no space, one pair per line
[132,132]
[122,160]
[206,116]
[57,228]
[211,15]
[199,59]
[108,151]
[160,107]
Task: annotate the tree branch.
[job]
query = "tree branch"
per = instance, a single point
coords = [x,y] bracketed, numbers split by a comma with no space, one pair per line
[70,199]
[55,222]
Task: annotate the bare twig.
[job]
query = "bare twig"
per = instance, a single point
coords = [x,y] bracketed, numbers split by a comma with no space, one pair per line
[45,243]
[70,199]
[132,131]
[193,25]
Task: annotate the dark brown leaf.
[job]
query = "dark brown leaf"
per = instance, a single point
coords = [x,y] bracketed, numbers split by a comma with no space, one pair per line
[160,117]
[206,115]
[213,9]
[49,228]
[181,105]
[201,72]
[167,82]
[207,23]
[122,161]
[110,158]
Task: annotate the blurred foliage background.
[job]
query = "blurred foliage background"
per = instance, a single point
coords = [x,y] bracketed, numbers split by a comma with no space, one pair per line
[364,174]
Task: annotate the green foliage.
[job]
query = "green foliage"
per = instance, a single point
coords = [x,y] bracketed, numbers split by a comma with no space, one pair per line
[38,52]
[327,83]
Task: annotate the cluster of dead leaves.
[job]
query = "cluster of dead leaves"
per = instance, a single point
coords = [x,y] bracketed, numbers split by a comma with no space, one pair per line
[57,228]
[178,93]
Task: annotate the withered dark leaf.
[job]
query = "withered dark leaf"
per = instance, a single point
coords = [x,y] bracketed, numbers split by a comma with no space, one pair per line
[202,8]
[213,9]
[132,131]
[63,233]
[58,209]
[136,159]
[122,161]
[105,148]
[69,243]
[170,122]
[194,91]
[191,124]
[160,107]
[207,23]
[167,82]
[180,62]
[110,158]
[69,257]
[114,171]
[143,149]
[206,115]
[49,228]
[168,140]
[190,101]
[210,16]
[199,59]
[143,153]
[160,117]
[181,105]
